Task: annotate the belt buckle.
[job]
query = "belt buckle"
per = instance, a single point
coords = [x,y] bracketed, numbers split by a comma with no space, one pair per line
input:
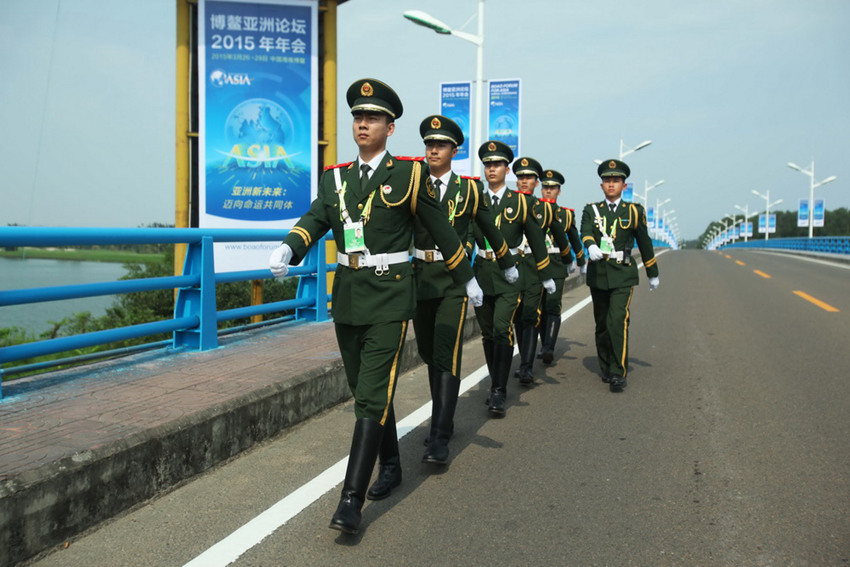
[354,261]
[489,254]
[429,255]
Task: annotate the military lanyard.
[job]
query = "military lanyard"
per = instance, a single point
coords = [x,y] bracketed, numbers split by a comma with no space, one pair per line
[344,216]
[453,207]
[607,244]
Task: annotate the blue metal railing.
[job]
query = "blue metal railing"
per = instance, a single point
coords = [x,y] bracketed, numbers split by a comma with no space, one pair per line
[820,244]
[195,322]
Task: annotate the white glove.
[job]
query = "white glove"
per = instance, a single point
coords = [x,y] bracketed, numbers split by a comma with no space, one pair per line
[279,260]
[572,267]
[654,283]
[549,285]
[594,252]
[475,293]
[512,274]
[583,269]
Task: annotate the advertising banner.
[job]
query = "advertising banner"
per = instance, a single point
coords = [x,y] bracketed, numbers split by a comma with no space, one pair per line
[455,104]
[650,216]
[747,230]
[818,213]
[803,213]
[629,193]
[762,224]
[258,86]
[504,113]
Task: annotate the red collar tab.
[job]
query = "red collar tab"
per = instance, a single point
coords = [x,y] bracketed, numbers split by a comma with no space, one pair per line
[524,192]
[469,177]
[553,201]
[410,158]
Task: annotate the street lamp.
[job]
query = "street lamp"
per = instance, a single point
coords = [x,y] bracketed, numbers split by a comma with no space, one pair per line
[430,22]
[658,205]
[767,205]
[812,186]
[647,188]
[627,151]
[746,211]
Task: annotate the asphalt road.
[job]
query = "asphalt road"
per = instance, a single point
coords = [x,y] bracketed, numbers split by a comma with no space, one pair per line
[730,446]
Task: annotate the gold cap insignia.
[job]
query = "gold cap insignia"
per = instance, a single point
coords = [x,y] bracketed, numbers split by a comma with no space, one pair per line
[524,162]
[366,89]
[491,147]
[612,164]
[435,123]
[548,174]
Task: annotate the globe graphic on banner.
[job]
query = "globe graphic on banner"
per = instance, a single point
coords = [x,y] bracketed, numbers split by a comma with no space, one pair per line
[258,121]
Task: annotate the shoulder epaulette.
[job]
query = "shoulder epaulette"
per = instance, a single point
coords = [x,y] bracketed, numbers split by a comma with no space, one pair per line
[553,201]
[410,158]
[470,177]
[523,192]
[568,209]
[338,165]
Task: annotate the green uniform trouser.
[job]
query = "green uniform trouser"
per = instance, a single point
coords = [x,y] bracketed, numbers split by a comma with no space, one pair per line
[611,313]
[552,301]
[439,332]
[371,355]
[531,293]
[496,316]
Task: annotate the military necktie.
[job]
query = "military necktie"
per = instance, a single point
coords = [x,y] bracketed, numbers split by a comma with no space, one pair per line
[495,202]
[612,207]
[364,176]
[437,185]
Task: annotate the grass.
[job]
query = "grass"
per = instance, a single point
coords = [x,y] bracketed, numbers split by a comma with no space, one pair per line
[82,255]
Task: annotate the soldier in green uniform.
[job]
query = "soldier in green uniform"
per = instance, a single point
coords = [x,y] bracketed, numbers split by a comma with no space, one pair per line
[609,230]
[441,305]
[370,205]
[528,171]
[515,219]
[550,323]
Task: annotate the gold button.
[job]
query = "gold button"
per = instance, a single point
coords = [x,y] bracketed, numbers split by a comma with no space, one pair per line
[398,277]
[360,206]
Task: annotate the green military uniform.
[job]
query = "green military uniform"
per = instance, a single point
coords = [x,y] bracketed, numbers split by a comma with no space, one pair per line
[516,221]
[551,321]
[374,292]
[611,279]
[441,302]
[531,292]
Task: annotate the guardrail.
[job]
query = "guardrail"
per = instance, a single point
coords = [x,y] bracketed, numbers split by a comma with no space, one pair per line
[195,322]
[820,244]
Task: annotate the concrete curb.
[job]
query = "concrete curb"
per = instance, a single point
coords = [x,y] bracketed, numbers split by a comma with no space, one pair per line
[47,506]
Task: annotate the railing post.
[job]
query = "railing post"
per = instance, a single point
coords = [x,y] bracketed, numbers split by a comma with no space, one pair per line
[198,300]
[314,286]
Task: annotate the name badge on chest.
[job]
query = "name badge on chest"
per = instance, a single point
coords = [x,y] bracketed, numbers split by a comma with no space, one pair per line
[354,239]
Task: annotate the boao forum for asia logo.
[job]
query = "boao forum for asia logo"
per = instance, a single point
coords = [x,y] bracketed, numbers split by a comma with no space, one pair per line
[220,78]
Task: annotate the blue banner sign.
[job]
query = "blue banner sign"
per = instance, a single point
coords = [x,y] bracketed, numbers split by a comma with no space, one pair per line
[818,213]
[629,193]
[803,213]
[504,113]
[258,124]
[455,104]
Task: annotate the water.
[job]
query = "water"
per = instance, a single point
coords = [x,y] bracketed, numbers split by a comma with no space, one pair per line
[36,317]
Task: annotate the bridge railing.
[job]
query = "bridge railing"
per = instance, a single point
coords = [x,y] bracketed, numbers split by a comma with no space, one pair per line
[194,324]
[820,244]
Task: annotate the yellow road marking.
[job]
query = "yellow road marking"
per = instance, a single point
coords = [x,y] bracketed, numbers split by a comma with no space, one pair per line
[740,263]
[818,302]
[728,256]
[762,274]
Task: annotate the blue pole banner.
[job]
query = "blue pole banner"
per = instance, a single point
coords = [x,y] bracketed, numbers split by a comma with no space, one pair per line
[258,86]
[762,224]
[504,113]
[650,216]
[818,213]
[772,225]
[455,104]
[628,193]
[803,213]
[748,229]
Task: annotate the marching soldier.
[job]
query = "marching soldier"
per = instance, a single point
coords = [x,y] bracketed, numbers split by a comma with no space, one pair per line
[441,305]
[528,171]
[515,218]
[370,205]
[550,323]
[609,229]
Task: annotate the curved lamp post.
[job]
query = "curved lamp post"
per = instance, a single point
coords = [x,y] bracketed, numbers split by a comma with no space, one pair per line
[812,186]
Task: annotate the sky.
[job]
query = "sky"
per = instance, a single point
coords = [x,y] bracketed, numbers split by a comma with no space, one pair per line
[728,91]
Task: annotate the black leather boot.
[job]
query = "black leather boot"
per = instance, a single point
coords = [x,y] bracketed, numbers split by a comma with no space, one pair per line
[551,327]
[361,462]
[432,380]
[527,348]
[502,357]
[442,419]
[518,332]
[389,462]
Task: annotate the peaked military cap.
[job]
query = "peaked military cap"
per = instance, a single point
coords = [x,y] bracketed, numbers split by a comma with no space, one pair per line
[527,166]
[372,95]
[613,168]
[552,177]
[438,127]
[493,150]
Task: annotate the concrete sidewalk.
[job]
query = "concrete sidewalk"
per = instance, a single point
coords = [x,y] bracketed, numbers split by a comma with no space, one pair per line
[79,446]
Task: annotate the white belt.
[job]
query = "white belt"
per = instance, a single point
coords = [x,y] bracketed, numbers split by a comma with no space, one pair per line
[554,250]
[381,262]
[619,256]
[428,255]
[490,255]
[526,249]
